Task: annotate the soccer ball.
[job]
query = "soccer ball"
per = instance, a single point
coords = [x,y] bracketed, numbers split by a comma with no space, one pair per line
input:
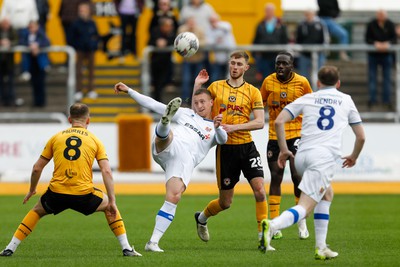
[186,44]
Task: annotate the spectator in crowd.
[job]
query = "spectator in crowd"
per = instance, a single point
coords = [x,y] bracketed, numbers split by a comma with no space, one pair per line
[43,12]
[42,58]
[19,12]
[381,32]
[221,36]
[35,38]
[68,14]
[161,36]
[129,12]
[201,12]
[164,10]
[191,66]
[85,40]
[8,38]
[311,31]
[329,10]
[269,31]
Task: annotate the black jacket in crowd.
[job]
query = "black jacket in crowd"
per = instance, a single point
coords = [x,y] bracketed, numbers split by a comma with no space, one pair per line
[278,36]
[375,33]
[328,8]
[314,32]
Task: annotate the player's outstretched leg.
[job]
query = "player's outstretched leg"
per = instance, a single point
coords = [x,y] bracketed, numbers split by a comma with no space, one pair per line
[202,229]
[325,254]
[303,231]
[117,226]
[170,110]
[24,229]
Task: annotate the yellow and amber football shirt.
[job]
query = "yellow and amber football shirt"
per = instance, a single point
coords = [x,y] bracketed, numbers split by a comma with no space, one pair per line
[236,104]
[73,151]
[276,95]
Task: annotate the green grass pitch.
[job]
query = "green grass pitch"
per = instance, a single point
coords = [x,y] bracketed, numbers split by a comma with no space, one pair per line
[364,229]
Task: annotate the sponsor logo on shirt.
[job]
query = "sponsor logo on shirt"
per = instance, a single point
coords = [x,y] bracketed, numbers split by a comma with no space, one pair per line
[70,173]
[198,131]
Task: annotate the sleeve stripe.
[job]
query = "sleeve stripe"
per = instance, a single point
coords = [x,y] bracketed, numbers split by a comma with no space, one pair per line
[291,114]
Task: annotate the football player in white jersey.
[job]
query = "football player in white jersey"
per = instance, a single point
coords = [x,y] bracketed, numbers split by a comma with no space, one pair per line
[326,114]
[179,151]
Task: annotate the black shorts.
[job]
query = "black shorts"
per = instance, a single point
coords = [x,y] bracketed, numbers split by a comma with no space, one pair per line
[273,148]
[232,159]
[54,203]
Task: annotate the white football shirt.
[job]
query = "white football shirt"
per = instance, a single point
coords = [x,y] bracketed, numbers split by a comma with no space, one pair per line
[326,113]
[197,134]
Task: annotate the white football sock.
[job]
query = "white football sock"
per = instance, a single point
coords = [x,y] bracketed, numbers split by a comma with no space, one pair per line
[321,221]
[202,218]
[163,220]
[123,241]
[14,243]
[162,130]
[288,217]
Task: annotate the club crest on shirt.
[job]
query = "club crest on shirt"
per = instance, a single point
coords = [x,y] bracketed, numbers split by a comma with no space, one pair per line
[227,181]
[208,129]
[283,95]
[270,154]
[232,98]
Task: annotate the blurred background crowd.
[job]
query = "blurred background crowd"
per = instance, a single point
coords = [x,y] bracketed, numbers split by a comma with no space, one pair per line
[110,40]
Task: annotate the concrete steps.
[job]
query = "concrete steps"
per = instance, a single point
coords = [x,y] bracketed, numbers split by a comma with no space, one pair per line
[108,105]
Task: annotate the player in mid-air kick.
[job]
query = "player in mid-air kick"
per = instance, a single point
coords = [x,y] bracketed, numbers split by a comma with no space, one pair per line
[180,150]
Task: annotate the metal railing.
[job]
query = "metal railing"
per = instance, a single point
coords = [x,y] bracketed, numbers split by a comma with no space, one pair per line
[313,49]
[71,80]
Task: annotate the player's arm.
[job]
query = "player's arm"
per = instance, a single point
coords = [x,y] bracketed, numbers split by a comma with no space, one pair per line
[35,176]
[350,160]
[108,181]
[264,92]
[255,124]
[144,101]
[283,117]
[220,134]
[201,79]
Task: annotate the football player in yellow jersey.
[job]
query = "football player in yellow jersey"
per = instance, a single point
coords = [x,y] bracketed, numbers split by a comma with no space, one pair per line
[278,90]
[73,151]
[236,100]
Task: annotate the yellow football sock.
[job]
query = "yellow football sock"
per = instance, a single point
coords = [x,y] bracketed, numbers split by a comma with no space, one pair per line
[274,206]
[213,208]
[261,213]
[27,225]
[116,224]
[296,200]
